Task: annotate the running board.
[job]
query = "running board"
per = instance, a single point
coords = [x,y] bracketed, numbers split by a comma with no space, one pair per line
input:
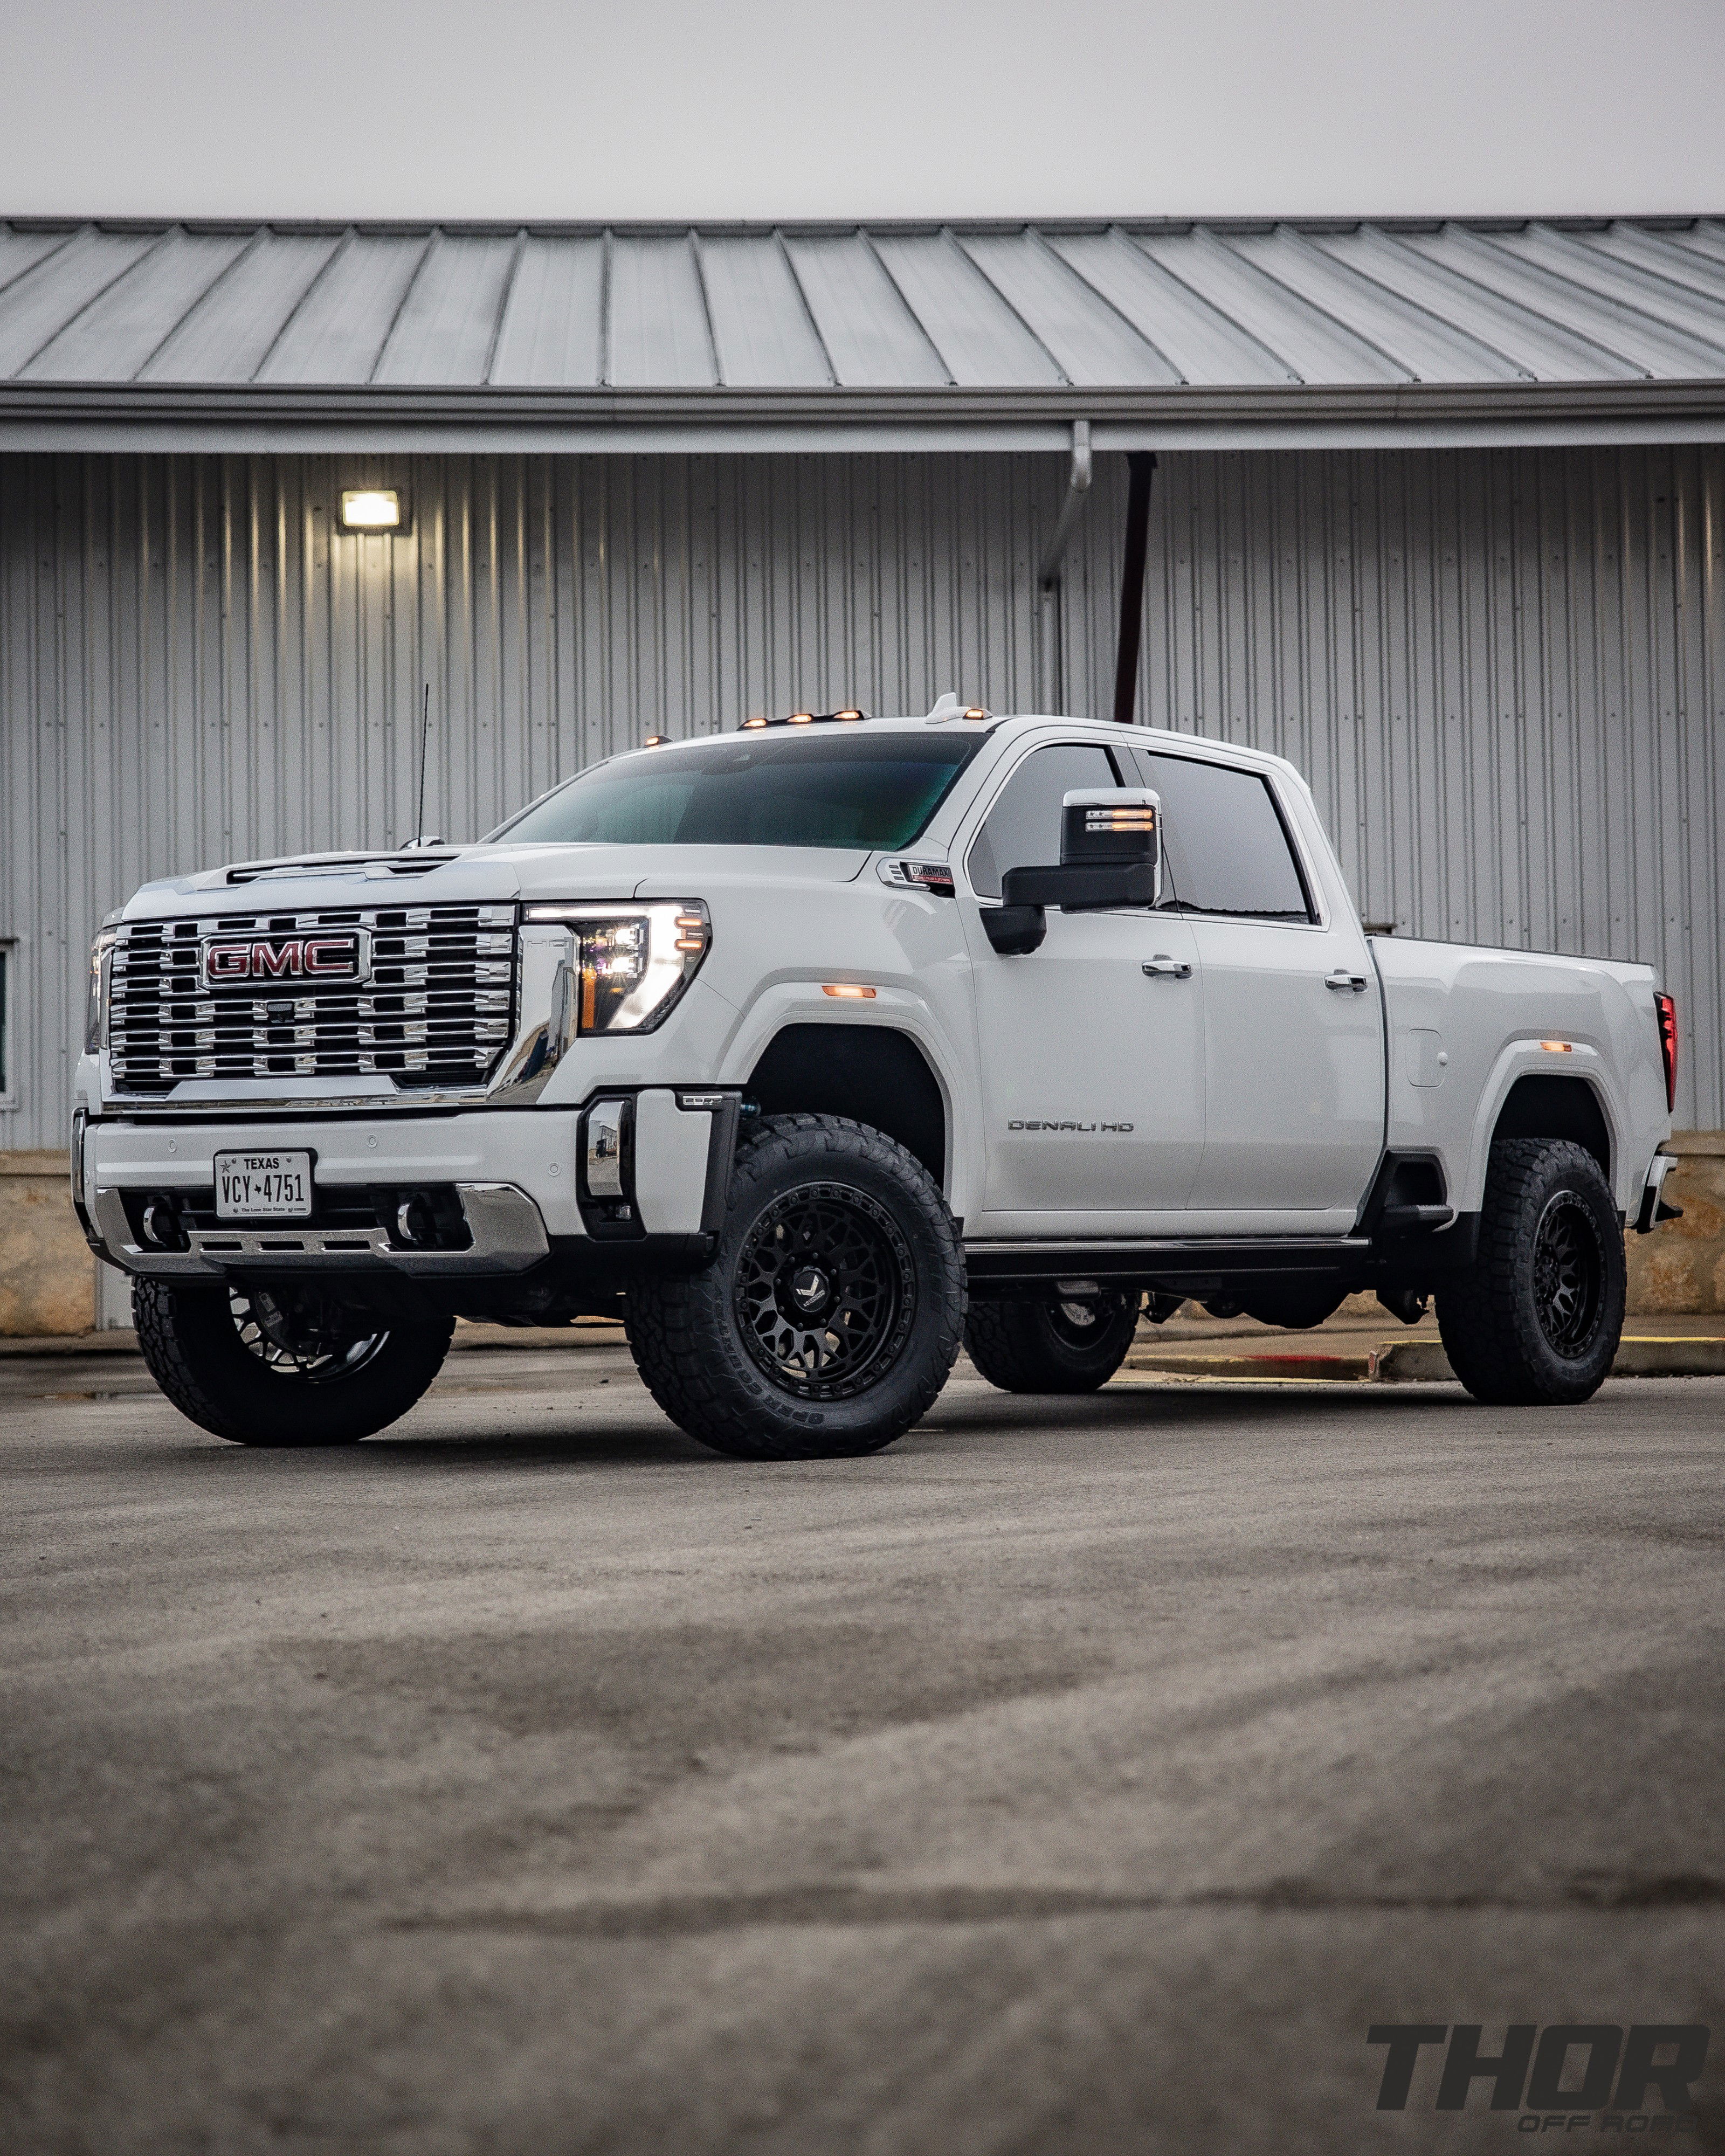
[1188,1261]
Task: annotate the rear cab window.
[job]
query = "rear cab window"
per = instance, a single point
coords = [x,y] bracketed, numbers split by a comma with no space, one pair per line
[1226,848]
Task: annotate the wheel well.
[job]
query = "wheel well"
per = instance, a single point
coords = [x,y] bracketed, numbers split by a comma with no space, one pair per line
[867,1072]
[1557,1108]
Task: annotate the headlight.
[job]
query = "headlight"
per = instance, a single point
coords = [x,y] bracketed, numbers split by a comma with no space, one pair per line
[635,960]
[95,1007]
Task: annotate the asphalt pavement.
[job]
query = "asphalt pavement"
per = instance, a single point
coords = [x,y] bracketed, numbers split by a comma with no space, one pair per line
[1078,1776]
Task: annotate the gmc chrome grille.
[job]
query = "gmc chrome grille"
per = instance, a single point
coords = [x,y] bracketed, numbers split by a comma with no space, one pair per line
[436,1011]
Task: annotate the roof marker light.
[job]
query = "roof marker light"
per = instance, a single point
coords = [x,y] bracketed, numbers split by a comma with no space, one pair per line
[800,719]
[975,711]
[748,723]
[847,715]
[655,741]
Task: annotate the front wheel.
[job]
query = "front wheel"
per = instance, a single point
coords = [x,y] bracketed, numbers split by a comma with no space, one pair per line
[283,1365]
[831,1315]
[1054,1344]
[1536,1320]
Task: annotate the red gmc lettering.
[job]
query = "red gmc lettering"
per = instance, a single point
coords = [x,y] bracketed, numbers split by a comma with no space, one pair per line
[277,958]
[340,959]
[229,962]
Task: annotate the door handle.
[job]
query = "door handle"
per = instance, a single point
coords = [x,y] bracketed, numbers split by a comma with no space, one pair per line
[1177,969]
[1342,978]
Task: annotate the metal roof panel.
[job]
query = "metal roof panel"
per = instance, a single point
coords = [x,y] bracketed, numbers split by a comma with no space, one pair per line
[762,322]
[1092,338]
[1329,273]
[1200,343]
[1314,343]
[113,337]
[979,336]
[448,317]
[660,337]
[345,315]
[553,328]
[874,340]
[224,336]
[36,306]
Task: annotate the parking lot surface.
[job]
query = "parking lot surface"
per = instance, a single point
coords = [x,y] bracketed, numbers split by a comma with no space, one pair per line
[1077,1776]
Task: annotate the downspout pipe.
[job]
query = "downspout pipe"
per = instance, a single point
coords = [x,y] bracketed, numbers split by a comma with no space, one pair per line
[1078,478]
[1141,465]
[1048,573]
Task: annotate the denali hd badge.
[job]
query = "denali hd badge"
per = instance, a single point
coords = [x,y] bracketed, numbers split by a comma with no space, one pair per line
[346,957]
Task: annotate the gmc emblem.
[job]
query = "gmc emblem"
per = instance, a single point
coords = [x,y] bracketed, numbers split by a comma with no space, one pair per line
[343,957]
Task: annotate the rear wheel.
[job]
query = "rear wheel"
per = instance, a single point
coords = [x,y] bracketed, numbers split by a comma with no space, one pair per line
[1053,1344]
[1535,1320]
[283,1365]
[831,1315]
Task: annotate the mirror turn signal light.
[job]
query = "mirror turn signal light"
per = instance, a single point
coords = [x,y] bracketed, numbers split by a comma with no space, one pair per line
[851,990]
[1559,1047]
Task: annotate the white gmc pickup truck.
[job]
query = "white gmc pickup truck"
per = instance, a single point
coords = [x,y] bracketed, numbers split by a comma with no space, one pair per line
[819,1049]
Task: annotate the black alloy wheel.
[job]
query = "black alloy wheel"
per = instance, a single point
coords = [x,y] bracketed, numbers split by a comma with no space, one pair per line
[1569,1275]
[833,1310]
[1535,1320]
[1055,1343]
[825,1290]
[282,1364]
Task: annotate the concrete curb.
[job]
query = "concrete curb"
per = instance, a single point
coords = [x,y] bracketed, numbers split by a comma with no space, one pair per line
[1422,1362]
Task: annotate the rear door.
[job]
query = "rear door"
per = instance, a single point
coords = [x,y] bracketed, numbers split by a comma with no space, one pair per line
[1092,1066]
[1294,1044]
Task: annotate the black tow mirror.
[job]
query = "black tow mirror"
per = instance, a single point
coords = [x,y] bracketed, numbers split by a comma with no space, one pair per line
[1110,856]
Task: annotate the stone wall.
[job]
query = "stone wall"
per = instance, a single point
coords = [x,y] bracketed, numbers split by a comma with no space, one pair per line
[1680,1266]
[47,1273]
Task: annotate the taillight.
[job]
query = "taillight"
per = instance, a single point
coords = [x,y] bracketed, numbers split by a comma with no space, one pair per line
[1666,1008]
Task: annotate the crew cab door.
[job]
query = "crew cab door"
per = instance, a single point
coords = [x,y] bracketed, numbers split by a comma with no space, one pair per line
[1294,1042]
[1092,1064]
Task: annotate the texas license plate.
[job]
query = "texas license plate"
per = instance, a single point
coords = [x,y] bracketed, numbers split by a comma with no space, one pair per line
[263,1186]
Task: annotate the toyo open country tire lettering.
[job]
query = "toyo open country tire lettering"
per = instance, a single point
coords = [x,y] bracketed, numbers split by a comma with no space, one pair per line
[1536,1320]
[1057,1344]
[263,1368]
[831,1315]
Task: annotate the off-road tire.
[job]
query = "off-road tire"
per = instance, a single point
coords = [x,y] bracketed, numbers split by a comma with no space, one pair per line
[1025,1345]
[192,1347]
[1535,1322]
[687,1332]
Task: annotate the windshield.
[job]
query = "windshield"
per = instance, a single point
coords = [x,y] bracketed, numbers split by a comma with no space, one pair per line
[846,790]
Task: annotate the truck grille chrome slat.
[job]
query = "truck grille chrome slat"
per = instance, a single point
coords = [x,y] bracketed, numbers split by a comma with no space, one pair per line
[437,1009]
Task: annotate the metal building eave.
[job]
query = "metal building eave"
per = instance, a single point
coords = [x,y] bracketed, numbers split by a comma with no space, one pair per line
[256,418]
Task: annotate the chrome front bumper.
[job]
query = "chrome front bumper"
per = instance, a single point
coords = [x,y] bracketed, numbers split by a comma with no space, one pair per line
[507,1228]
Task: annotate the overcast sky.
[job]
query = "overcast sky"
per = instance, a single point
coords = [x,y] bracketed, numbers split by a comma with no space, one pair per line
[760,108]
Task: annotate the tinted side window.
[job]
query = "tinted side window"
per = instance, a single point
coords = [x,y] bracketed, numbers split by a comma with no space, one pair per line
[1226,848]
[1022,829]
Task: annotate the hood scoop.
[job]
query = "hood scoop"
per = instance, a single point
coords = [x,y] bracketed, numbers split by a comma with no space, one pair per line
[340,865]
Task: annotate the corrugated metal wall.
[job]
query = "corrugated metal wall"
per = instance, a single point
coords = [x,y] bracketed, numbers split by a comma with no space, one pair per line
[1498,669]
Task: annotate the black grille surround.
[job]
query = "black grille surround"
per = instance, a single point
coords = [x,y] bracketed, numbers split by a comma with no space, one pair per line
[437,1013]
